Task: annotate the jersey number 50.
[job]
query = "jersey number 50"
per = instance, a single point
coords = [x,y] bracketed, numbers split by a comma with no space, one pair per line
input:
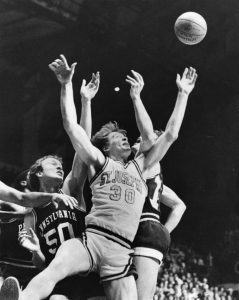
[64,231]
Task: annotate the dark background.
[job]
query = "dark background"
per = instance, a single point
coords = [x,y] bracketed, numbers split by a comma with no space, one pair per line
[113,37]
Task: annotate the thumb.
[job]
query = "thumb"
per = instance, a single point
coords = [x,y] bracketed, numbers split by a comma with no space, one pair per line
[32,232]
[178,78]
[83,83]
[73,67]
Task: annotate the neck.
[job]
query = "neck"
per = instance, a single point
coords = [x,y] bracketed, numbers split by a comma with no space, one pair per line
[45,188]
[118,158]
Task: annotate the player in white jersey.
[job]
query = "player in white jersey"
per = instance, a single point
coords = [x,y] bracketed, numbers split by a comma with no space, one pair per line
[153,239]
[109,149]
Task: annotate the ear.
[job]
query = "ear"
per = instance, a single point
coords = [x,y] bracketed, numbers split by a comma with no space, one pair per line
[39,174]
[105,149]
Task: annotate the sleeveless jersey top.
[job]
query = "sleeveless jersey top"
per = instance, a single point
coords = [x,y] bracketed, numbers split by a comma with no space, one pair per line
[54,226]
[154,183]
[118,195]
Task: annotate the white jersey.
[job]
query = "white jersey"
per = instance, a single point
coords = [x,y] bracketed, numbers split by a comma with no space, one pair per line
[118,195]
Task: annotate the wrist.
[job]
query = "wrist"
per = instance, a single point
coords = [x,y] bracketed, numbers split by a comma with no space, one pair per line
[85,99]
[66,84]
[183,93]
[136,97]
[35,251]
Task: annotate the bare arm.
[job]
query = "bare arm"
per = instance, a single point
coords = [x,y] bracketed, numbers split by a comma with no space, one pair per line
[30,241]
[161,146]
[81,142]
[75,180]
[170,199]
[31,199]
[143,120]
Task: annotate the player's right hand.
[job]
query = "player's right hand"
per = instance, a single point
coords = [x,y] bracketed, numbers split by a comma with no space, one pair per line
[67,200]
[29,241]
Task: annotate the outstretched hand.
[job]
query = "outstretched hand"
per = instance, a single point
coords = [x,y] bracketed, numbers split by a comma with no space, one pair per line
[137,84]
[29,241]
[61,69]
[187,82]
[88,91]
[62,198]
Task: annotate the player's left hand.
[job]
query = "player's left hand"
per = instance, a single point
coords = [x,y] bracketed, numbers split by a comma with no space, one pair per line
[88,91]
[137,84]
[61,69]
[187,82]
[67,200]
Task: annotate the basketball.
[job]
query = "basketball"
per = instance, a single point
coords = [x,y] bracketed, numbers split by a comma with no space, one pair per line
[190,28]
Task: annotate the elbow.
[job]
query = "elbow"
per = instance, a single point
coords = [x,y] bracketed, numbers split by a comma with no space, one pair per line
[172,136]
[183,207]
[66,125]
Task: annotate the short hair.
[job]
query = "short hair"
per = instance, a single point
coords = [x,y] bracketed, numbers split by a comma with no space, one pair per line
[37,167]
[21,182]
[100,139]
[158,132]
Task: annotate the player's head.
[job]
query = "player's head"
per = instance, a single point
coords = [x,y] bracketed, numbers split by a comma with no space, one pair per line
[136,145]
[21,182]
[112,141]
[46,171]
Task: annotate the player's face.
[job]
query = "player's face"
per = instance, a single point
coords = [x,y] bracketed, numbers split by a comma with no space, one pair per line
[118,144]
[52,168]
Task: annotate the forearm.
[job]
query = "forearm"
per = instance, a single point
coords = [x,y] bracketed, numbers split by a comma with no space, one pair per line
[175,217]
[143,120]
[32,199]
[38,259]
[68,109]
[175,121]
[86,117]
[11,214]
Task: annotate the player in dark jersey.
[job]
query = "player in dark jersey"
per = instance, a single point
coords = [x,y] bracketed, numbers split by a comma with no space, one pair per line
[153,238]
[47,227]
[15,260]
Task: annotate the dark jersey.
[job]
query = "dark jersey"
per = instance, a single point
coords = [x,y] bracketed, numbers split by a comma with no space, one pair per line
[9,246]
[54,226]
[155,187]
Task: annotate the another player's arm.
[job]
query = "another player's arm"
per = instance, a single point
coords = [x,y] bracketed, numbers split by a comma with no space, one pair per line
[10,210]
[75,180]
[185,86]
[32,199]
[143,120]
[170,199]
[80,141]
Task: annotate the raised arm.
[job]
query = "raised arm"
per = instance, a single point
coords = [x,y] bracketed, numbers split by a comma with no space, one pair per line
[143,120]
[73,184]
[170,199]
[81,142]
[32,199]
[185,86]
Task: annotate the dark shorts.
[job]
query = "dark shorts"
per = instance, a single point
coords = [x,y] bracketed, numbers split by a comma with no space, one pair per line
[77,287]
[152,240]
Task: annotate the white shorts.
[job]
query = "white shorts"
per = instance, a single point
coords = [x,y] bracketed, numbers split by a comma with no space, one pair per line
[109,259]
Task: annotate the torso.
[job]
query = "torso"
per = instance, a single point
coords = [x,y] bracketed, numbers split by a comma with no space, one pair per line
[54,226]
[118,195]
